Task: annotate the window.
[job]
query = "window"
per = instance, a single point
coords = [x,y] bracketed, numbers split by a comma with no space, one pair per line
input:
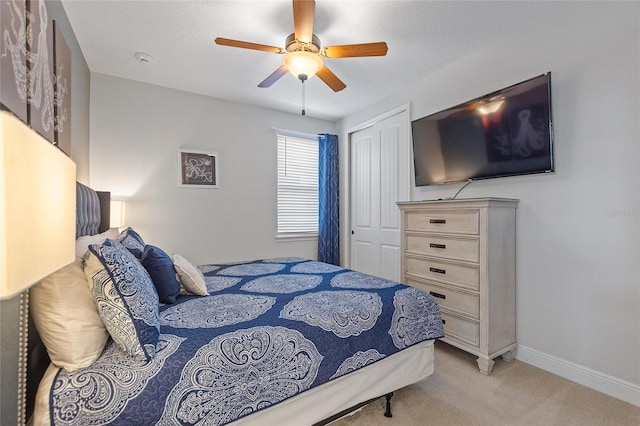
[297,185]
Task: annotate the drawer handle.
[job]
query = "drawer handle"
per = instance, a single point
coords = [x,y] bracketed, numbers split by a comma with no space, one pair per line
[438,246]
[438,295]
[438,271]
[437,220]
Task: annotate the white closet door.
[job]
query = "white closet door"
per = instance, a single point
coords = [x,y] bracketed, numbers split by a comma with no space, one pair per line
[380,176]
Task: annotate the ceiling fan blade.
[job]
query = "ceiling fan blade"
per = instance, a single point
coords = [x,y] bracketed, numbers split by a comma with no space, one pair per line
[303,13]
[246,45]
[330,79]
[355,50]
[275,76]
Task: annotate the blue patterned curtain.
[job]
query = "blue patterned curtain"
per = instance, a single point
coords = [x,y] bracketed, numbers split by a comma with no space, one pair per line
[328,197]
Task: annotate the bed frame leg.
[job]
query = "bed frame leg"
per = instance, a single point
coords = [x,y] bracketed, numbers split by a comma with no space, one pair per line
[387,412]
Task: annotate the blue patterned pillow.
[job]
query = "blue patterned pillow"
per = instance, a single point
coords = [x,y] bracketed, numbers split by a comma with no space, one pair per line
[160,267]
[125,296]
[132,241]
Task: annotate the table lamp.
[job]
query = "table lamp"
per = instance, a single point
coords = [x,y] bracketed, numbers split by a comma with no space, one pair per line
[37,237]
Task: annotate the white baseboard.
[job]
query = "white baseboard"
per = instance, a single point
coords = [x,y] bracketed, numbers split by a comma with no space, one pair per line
[612,386]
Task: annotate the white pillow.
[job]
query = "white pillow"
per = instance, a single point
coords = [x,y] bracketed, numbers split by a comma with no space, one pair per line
[190,277]
[83,243]
[67,318]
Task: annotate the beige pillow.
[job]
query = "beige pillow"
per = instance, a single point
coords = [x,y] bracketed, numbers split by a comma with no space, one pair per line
[67,318]
[190,277]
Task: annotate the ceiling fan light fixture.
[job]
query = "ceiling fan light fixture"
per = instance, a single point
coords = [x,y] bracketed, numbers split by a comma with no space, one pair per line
[303,64]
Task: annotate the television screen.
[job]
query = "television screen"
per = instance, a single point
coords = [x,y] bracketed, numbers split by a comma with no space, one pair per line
[505,133]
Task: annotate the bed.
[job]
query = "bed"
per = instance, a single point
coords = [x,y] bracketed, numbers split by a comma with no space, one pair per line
[284,341]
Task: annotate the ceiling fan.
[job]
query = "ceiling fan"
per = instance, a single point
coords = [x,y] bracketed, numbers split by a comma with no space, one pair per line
[303,55]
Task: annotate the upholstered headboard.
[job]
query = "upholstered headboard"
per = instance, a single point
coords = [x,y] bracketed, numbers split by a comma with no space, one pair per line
[92,210]
[92,217]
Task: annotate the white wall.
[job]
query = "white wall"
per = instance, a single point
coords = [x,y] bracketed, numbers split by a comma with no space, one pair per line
[578,280]
[136,130]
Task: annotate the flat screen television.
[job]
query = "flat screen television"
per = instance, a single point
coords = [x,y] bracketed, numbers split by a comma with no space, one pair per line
[505,133]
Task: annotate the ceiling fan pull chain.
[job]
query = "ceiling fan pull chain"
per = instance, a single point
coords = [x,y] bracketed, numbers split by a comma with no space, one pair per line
[303,111]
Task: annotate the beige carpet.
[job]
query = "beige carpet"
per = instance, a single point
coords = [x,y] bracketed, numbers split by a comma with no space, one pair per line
[514,394]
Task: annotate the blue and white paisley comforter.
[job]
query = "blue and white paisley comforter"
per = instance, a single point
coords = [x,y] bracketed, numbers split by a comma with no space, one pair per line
[269,330]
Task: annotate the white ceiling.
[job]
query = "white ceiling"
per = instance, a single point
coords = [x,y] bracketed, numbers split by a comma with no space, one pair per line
[423,36]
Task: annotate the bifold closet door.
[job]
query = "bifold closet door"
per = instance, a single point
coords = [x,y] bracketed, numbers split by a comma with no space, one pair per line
[380,176]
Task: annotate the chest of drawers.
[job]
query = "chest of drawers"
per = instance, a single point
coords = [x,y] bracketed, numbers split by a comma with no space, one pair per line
[463,252]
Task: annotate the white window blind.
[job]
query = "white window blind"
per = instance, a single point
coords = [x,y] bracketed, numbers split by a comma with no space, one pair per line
[297,185]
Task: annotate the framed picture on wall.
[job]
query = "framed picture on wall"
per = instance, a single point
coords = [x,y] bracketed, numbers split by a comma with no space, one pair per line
[62,91]
[198,169]
[41,71]
[13,58]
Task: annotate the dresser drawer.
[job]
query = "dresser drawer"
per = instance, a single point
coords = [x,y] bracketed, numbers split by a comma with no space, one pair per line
[457,274]
[459,248]
[458,301]
[462,329]
[445,221]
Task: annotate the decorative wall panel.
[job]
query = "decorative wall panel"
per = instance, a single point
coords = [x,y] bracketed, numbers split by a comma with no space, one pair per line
[35,70]
[40,66]
[62,91]
[13,57]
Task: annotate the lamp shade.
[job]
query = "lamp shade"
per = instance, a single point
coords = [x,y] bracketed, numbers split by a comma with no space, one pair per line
[116,216]
[303,63]
[37,207]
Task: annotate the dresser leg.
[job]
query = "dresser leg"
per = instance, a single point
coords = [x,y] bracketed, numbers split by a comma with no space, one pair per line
[509,356]
[485,365]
